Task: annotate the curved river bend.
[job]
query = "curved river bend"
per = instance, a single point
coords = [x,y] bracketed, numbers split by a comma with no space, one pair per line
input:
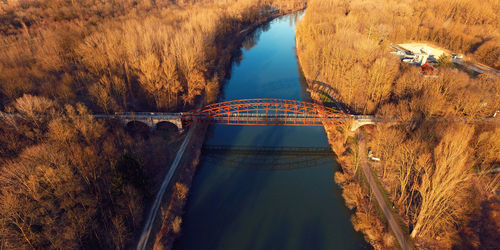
[267,201]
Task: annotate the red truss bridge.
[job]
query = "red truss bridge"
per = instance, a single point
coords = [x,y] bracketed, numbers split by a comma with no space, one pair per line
[265,111]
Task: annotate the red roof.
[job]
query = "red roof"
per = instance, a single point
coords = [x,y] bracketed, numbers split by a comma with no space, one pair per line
[427,69]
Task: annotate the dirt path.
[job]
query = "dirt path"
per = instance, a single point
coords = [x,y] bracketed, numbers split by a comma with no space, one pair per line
[378,195]
[143,240]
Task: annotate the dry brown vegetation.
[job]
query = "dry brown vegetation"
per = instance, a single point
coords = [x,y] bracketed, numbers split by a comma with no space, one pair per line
[68,180]
[437,172]
[122,55]
[439,177]
[344,44]
[355,191]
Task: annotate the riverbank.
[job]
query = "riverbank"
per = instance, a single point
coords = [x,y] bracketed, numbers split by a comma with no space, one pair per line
[367,218]
[175,198]
[431,171]
[176,195]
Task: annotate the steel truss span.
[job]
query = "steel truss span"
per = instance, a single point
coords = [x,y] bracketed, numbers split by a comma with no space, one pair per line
[265,111]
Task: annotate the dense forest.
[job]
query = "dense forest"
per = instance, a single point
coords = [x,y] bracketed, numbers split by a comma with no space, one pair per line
[120,55]
[436,164]
[345,44]
[67,179]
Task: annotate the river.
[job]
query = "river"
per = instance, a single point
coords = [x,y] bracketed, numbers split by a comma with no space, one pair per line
[240,201]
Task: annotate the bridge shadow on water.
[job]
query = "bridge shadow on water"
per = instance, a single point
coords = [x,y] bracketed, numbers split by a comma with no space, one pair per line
[279,193]
[220,207]
[266,158]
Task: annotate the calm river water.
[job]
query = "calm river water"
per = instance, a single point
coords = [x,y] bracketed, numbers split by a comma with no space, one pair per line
[238,202]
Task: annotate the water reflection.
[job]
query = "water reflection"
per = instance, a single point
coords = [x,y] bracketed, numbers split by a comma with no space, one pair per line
[253,38]
[270,158]
[292,18]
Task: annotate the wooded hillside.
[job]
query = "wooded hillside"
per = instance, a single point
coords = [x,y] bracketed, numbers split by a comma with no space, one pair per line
[345,44]
[121,55]
[437,170]
[68,180]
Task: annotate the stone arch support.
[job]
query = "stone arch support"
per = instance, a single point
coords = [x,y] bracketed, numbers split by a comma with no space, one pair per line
[357,124]
[152,122]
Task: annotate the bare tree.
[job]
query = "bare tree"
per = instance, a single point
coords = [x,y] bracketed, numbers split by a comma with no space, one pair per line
[444,187]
